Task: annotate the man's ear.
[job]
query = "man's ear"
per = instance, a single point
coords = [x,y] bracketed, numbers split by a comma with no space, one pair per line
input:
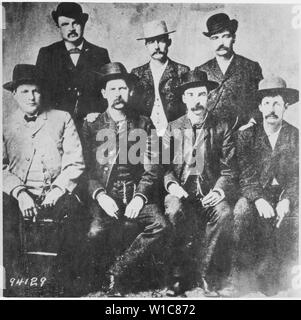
[183,98]
[169,42]
[260,107]
[103,92]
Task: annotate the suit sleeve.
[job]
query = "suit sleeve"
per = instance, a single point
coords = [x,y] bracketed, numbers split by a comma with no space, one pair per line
[168,149]
[94,184]
[291,191]
[72,166]
[228,162]
[249,175]
[152,168]
[10,181]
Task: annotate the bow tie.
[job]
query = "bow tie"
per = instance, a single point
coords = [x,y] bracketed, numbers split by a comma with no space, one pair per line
[198,126]
[28,119]
[74,50]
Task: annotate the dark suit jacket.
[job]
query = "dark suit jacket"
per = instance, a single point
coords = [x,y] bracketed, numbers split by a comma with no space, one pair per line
[170,79]
[100,174]
[259,164]
[219,155]
[64,81]
[235,95]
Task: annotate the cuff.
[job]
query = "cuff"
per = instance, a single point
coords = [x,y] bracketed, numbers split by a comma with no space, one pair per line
[142,196]
[221,192]
[15,192]
[168,183]
[97,191]
[61,188]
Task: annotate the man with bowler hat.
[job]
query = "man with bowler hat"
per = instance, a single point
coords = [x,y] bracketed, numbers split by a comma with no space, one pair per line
[199,182]
[42,163]
[266,216]
[238,77]
[120,182]
[67,65]
[158,78]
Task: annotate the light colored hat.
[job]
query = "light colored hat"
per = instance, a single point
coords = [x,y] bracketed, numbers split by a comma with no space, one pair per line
[154,29]
[275,86]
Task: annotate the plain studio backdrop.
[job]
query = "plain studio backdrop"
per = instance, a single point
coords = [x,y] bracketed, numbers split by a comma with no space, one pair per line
[265,34]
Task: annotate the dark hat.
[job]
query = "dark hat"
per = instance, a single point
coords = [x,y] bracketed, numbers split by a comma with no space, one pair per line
[155,29]
[218,23]
[23,73]
[277,86]
[114,70]
[70,10]
[195,78]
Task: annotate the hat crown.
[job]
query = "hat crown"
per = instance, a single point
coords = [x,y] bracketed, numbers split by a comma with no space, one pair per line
[24,71]
[195,76]
[113,68]
[154,29]
[68,9]
[272,83]
[219,18]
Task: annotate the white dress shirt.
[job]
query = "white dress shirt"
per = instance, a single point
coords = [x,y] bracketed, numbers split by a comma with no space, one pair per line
[74,56]
[224,64]
[158,115]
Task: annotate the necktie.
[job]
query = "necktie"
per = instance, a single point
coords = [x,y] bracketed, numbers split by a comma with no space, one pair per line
[29,119]
[74,50]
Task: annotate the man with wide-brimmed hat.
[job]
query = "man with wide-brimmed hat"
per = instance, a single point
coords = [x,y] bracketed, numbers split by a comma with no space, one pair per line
[121,183]
[199,181]
[67,65]
[238,77]
[158,78]
[42,164]
[266,217]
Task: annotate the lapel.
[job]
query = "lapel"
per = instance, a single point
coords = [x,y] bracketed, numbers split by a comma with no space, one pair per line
[84,56]
[170,72]
[65,57]
[216,71]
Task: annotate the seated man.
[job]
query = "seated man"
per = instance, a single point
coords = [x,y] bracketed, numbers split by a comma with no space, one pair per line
[198,180]
[42,162]
[266,217]
[121,183]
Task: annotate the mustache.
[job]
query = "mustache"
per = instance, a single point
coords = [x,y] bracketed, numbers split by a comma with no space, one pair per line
[157,51]
[118,101]
[271,115]
[222,47]
[197,107]
[72,33]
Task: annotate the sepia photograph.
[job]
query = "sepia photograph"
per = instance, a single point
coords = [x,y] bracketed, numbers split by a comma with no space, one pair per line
[150,150]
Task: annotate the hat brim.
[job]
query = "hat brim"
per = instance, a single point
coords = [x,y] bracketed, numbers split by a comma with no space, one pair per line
[129,78]
[232,26]
[210,85]
[83,18]
[290,95]
[158,35]
[12,85]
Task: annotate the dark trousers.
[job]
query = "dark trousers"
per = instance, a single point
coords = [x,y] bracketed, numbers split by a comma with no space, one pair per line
[198,234]
[120,244]
[263,255]
[65,239]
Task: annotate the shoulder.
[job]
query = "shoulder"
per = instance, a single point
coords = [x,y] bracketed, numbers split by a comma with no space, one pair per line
[290,129]
[58,115]
[95,48]
[178,123]
[247,132]
[179,66]
[52,47]
[141,69]
[205,66]
[246,62]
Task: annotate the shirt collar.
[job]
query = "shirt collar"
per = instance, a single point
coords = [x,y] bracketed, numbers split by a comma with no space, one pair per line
[69,46]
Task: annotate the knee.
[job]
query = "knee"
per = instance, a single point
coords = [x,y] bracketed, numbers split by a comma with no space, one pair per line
[173,208]
[242,210]
[223,213]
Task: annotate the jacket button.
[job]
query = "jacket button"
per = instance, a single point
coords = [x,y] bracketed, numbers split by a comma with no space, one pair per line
[105,169]
[27,158]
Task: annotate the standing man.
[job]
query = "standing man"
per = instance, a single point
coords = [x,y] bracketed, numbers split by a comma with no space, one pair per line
[159,78]
[238,77]
[199,181]
[266,217]
[121,185]
[42,163]
[67,65]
